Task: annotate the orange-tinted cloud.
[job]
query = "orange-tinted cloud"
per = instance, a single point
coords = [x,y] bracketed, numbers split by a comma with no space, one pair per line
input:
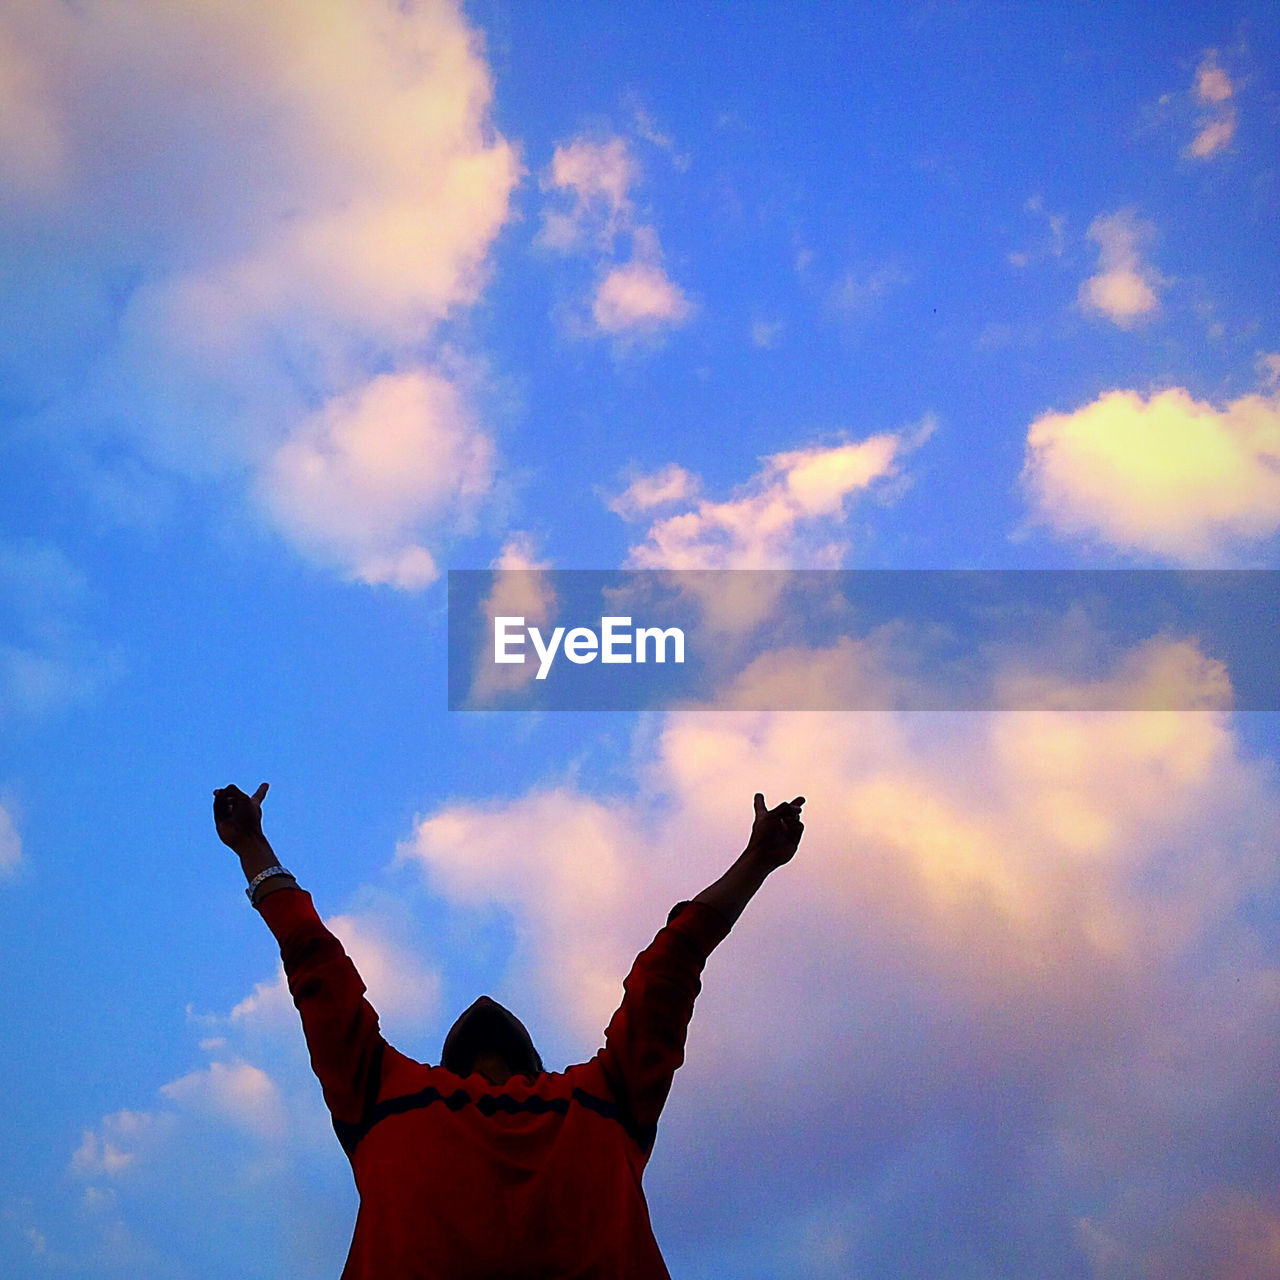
[634,298]
[1217,125]
[304,192]
[786,515]
[359,479]
[1124,290]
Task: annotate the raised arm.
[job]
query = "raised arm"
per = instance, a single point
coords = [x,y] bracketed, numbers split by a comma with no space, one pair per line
[644,1042]
[775,836]
[340,1025]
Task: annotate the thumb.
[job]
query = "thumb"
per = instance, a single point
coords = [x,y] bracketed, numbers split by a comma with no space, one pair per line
[260,794]
[759,803]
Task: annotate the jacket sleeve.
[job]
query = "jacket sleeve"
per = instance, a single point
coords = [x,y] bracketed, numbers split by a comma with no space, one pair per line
[644,1042]
[340,1025]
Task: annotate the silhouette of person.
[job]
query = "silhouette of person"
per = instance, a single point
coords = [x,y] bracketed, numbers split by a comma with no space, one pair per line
[487,1166]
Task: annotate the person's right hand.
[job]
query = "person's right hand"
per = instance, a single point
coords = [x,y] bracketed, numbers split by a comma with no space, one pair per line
[238,817]
[776,832]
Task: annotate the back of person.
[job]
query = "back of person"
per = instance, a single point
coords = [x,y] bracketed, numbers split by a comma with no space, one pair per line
[499,1173]
[461,1177]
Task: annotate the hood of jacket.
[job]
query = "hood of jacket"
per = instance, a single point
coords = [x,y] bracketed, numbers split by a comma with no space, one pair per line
[488,1025]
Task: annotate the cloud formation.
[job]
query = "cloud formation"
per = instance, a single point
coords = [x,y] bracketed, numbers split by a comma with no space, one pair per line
[638,296]
[1015,934]
[297,196]
[1164,475]
[47,660]
[249,1121]
[357,480]
[1050,244]
[1124,289]
[786,516]
[10,842]
[526,593]
[669,484]
[1213,91]
[597,177]
[631,299]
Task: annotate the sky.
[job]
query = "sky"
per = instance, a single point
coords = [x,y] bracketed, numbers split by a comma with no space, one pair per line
[306,304]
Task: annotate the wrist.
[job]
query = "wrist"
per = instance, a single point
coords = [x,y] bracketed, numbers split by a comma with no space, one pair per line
[268,881]
[255,855]
[758,861]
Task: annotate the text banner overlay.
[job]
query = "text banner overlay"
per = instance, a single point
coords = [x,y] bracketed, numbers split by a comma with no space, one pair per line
[864,640]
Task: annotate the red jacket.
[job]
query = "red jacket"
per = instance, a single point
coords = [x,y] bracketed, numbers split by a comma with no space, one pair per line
[460,1179]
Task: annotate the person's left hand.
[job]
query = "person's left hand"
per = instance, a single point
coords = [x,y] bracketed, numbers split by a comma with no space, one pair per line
[238,817]
[775,834]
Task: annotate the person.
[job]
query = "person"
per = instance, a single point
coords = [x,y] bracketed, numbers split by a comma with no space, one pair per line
[487,1166]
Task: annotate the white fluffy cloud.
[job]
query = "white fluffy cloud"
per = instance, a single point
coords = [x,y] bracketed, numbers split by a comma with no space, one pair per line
[785,516]
[575,851]
[404,991]
[1124,290]
[235,1093]
[113,1146]
[365,475]
[524,593]
[1166,475]
[302,194]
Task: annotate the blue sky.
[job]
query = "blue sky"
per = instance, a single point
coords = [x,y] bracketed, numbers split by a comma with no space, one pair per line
[306,304]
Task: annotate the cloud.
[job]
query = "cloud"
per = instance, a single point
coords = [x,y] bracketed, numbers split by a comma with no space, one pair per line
[859,292]
[1213,85]
[669,484]
[221,1144]
[1217,125]
[359,479]
[634,298]
[49,661]
[598,177]
[1165,475]
[1226,1234]
[526,593]
[784,517]
[1213,136]
[765,333]
[232,1140]
[404,991]
[235,1093]
[1124,289]
[268,210]
[31,150]
[574,850]
[1016,935]
[1051,245]
[10,842]
[115,1145]
[638,296]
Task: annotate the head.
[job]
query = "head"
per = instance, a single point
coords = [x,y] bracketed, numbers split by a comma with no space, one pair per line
[491,1040]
